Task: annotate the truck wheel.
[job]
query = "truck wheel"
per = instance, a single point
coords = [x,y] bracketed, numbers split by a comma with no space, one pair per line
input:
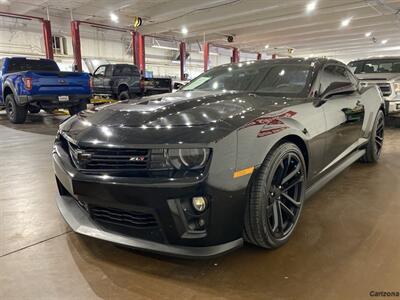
[374,146]
[276,197]
[15,113]
[124,95]
[33,109]
[77,108]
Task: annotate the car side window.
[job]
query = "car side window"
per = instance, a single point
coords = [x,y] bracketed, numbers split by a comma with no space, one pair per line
[100,72]
[333,74]
[108,72]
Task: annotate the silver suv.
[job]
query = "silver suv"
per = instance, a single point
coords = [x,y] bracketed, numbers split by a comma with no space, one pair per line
[385,73]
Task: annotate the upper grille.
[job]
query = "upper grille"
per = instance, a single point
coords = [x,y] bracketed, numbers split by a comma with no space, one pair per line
[109,160]
[385,88]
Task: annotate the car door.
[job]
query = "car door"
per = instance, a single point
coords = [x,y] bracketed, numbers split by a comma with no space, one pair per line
[98,77]
[344,113]
[1,80]
[107,80]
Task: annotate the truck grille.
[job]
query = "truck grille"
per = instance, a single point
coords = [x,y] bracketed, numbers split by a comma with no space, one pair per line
[109,160]
[123,218]
[385,88]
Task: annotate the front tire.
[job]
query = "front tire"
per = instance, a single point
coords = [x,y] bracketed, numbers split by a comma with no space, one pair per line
[73,110]
[276,197]
[15,113]
[374,147]
[124,95]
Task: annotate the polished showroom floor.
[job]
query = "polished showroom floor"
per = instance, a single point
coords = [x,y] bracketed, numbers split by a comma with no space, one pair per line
[347,242]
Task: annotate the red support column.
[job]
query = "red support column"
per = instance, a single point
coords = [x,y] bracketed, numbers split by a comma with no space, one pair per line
[258,56]
[235,55]
[138,43]
[206,55]
[48,40]
[182,55]
[76,46]
[274,56]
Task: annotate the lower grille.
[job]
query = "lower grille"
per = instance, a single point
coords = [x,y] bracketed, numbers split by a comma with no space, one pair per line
[129,223]
[385,88]
[119,217]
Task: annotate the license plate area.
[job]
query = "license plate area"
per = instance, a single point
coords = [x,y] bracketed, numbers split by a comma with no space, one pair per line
[63,98]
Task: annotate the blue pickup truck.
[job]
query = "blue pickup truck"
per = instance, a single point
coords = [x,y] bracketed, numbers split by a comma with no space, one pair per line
[35,84]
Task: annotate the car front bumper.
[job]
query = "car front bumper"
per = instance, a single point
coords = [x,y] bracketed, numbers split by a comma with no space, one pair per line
[163,199]
[80,222]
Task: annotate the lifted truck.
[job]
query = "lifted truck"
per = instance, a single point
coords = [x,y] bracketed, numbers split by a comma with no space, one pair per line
[123,81]
[383,72]
[35,84]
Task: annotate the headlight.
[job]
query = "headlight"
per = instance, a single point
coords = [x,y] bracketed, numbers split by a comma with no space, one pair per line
[189,159]
[396,86]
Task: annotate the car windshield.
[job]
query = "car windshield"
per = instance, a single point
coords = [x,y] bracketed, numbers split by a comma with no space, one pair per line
[22,64]
[375,66]
[276,79]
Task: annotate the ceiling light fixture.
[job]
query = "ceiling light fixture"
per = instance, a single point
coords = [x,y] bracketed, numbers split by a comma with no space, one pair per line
[384,42]
[184,30]
[311,6]
[114,17]
[368,34]
[346,22]
[266,46]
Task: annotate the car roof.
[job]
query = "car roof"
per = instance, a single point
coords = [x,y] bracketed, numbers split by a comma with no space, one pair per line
[377,58]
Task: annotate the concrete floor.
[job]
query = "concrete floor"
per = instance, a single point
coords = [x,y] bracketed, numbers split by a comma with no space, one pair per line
[347,242]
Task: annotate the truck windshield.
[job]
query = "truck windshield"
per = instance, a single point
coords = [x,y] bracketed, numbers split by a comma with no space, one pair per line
[22,64]
[375,66]
[275,79]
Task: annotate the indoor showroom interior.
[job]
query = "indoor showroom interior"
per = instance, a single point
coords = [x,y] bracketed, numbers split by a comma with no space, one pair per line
[186,149]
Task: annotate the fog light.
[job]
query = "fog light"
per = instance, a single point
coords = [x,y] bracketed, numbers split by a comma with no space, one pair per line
[199,203]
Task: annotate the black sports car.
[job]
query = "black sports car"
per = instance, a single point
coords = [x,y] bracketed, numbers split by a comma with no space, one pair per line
[229,157]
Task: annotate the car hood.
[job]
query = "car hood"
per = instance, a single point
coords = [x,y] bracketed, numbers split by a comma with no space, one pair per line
[378,76]
[181,117]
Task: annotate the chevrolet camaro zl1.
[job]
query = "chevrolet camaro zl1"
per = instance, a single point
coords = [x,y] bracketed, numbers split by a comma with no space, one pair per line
[229,157]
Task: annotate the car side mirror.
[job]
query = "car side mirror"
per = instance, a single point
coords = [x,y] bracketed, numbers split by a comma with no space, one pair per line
[337,88]
[178,85]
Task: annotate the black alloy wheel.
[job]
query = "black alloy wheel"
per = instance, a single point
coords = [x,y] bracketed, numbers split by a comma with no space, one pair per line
[379,134]
[284,199]
[374,147]
[276,197]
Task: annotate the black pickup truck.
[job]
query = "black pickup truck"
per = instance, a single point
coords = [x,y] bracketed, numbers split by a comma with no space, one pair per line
[123,81]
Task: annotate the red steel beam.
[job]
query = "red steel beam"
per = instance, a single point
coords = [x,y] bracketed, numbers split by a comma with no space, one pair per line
[76,45]
[182,55]
[141,53]
[235,55]
[274,56]
[48,39]
[258,56]
[206,55]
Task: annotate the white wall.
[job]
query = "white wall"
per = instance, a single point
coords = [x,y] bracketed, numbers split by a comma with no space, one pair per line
[115,48]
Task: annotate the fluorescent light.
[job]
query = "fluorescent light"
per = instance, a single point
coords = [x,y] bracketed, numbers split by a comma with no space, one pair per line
[114,17]
[164,47]
[311,6]
[184,30]
[346,22]
[384,42]
[368,34]
[266,46]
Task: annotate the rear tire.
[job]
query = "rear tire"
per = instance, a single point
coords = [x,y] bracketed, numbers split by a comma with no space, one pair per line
[375,143]
[15,113]
[77,108]
[276,197]
[124,95]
